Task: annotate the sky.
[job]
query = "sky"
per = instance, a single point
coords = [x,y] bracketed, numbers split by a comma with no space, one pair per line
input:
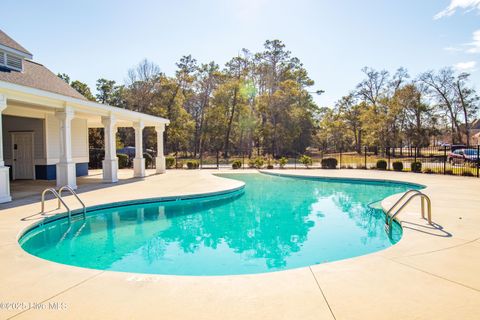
[92,39]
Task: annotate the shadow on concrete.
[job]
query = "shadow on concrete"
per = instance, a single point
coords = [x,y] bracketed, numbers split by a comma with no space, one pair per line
[25,192]
[433,229]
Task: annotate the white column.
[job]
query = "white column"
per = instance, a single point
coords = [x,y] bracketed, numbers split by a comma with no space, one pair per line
[110,163]
[139,161]
[4,171]
[160,159]
[66,173]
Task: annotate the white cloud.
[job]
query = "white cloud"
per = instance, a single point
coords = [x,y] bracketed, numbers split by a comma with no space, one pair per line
[468,66]
[470,47]
[455,5]
[474,46]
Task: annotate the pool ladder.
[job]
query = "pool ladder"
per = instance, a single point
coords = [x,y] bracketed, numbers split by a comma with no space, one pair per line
[411,194]
[58,195]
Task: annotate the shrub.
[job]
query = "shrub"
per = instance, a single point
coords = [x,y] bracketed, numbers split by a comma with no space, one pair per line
[467,174]
[416,166]
[169,162]
[282,162]
[258,163]
[428,171]
[192,164]
[237,164]
[179,164]
[122,160]
[306,160]
[382,165]
[449,172]
[329,163]
[148,160]
[270,163]
[397,166]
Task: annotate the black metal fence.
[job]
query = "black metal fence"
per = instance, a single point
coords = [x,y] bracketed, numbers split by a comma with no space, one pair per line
[431,160]
[456,160]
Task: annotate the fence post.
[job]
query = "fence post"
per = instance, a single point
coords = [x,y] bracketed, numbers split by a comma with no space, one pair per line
[217,160]
[340,166]
[445,160]
[176,159]
[201,161]
[295,162]
[243,160]
[478,159]
[365,156]
[415,154]
[388,154]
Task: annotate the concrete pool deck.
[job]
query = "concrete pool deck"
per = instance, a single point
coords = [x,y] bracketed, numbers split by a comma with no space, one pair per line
[432,273]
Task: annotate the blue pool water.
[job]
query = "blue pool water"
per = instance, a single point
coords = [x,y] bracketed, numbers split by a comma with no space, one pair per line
[275,223]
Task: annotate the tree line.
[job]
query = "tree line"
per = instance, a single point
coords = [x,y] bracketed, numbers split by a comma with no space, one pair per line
[393,110]
[261,101]
[255,101]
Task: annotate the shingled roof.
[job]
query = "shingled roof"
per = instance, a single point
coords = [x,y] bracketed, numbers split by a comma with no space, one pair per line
[9,42]
[37,76]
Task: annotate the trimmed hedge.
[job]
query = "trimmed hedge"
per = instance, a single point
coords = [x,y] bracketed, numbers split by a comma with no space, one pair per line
[416,166]
[329,163]
[237,164]
[382,165]
[169,162]
[192,164]
[122,160]
[397,166]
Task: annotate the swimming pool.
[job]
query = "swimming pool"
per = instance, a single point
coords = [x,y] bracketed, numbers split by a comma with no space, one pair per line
[274,223]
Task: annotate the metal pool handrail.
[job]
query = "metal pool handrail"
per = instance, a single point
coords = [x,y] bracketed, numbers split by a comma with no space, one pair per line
[423,197]
[67,187]
[399,200]
[60,200]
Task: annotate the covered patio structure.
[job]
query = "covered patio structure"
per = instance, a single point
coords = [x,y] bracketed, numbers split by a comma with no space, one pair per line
[44,126]
[45,136]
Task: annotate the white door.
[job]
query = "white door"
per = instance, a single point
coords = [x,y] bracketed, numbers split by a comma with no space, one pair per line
[22,153]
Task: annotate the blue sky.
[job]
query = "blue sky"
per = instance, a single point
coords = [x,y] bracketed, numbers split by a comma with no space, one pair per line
[334,39]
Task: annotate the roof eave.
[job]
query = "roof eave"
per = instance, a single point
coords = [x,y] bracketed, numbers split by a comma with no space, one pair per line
[23,54]
[107,109]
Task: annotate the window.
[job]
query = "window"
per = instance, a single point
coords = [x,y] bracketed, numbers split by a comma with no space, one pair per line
[2,58]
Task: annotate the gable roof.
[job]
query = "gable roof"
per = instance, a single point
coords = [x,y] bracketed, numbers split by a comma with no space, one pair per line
[6,41]
[37,76]
[475,125]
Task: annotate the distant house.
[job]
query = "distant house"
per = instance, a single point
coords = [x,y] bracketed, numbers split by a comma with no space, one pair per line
[44,125]
[475,127]
[474,130]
